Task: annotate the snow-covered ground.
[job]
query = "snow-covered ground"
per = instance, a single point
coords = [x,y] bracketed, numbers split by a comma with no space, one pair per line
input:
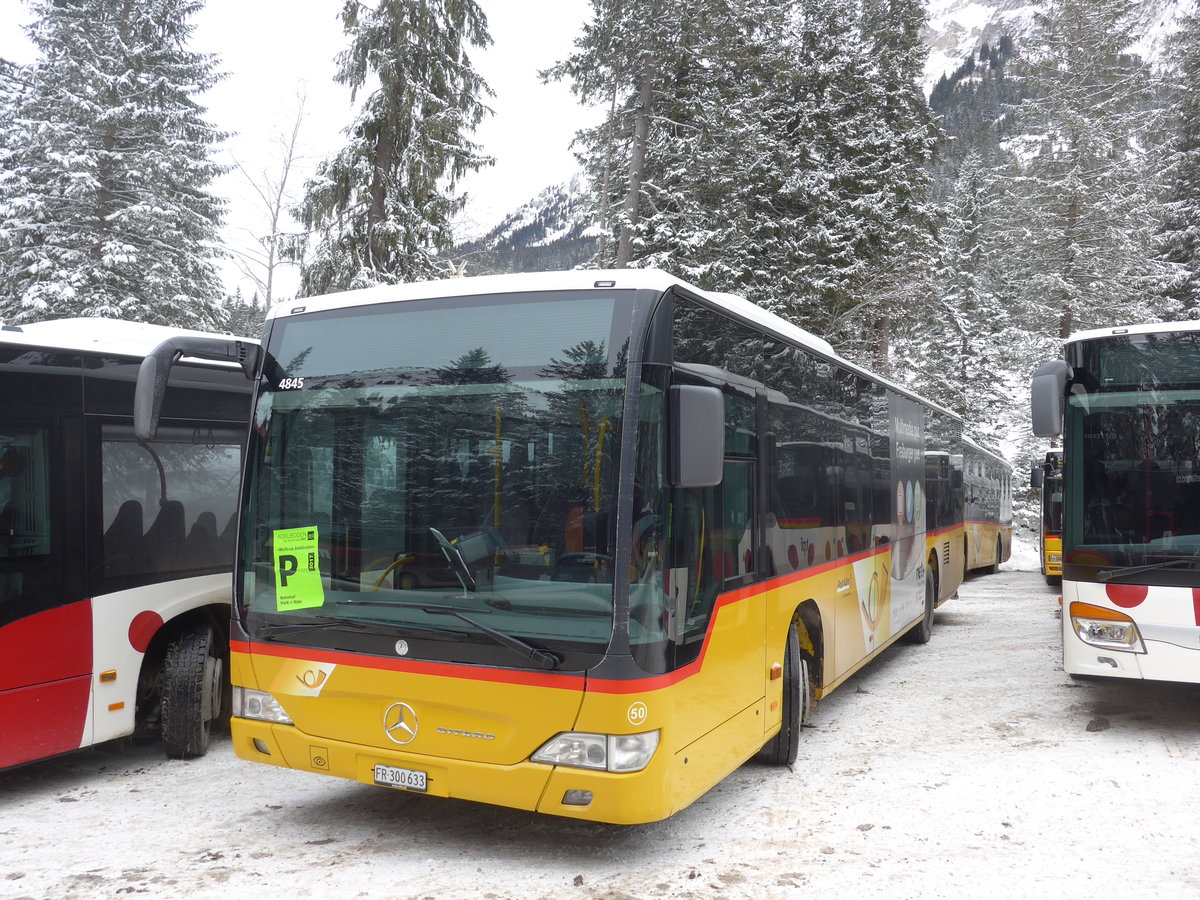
[969,767]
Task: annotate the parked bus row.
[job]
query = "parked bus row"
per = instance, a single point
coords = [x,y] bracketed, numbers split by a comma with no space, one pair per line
[580,543]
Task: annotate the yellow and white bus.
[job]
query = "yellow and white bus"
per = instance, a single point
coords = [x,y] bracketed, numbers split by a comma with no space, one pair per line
[1127,404]
[1048,481]
[581,543]
[988,514]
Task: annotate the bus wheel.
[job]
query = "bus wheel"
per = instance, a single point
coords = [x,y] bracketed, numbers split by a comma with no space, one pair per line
[782,749]
[192,678]
[999,556]
[924,629]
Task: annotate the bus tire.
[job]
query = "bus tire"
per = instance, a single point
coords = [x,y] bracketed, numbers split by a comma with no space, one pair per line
[192,689]
[995,570]
[783,749]
[923,630]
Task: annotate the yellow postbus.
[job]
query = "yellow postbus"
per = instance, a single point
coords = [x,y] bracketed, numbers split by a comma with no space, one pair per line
[581,543]
[1048,481]
[988,512]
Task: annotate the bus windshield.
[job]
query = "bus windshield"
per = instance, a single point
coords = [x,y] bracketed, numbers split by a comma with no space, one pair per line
[1134,502]
[438,479]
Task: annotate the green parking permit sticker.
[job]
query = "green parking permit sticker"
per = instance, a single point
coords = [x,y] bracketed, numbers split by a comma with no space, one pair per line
[297,573]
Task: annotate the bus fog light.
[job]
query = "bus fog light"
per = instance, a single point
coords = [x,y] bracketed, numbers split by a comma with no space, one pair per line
[610,752]
[251,704]
[577,798]
[1103,627]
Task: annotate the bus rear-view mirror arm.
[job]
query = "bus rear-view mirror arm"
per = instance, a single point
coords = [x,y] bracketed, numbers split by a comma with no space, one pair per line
[697,435]
[1047,394]
[156,369]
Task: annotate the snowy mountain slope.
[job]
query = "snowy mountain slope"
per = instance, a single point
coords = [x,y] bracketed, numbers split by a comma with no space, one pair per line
[552,231]
[956,28]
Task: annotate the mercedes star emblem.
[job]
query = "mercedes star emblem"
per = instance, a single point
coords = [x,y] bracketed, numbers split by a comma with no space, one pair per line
[400,723]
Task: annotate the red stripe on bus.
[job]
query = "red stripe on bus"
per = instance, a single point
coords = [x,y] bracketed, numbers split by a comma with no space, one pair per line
[548,679]
[1196,604]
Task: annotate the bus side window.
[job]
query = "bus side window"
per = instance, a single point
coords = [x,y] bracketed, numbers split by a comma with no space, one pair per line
[24,506]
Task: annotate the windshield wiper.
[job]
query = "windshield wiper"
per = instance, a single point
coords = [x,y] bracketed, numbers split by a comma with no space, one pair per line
[543,659]
[1109,574]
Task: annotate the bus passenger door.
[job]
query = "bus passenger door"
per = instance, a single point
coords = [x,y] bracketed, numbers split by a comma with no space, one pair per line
[45,630]
[715,558]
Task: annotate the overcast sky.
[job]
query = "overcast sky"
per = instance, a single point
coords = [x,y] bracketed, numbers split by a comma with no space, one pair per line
[275,51]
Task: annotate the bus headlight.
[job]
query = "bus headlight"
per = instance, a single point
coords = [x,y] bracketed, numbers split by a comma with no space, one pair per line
[251,704]
[607,752]
[1106,628]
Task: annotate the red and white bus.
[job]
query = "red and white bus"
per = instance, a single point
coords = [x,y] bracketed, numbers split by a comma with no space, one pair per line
[115,554]
[1127,404]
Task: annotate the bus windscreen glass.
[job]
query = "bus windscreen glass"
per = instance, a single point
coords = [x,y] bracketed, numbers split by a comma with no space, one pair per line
[1133,511]
[438,479]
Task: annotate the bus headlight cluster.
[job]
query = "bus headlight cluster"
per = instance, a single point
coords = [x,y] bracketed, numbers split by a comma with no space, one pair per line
[606,752]
[251,704]
[1106,628]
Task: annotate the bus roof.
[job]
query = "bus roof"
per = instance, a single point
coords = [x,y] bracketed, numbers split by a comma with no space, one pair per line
[579,280]
[1147,328]
[986,451]
[94,335]
[573,280]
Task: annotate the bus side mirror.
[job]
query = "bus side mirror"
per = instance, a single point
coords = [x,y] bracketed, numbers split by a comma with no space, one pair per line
[156,369]
[697,436]
[1037,476]
[1047,394]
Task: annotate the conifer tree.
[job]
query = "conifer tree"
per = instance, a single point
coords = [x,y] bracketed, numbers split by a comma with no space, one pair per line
[1080,222]
[621,61]
[105,207]
[1179,241]
[380,209]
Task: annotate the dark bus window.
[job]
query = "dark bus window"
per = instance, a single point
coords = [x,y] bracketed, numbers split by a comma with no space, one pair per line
[24,504]
[191,526]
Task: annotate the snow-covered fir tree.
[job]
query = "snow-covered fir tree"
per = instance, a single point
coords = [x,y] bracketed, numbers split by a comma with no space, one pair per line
[1080,222]
[954,354]
[891,153]
[621,62]
[380,209]
[776,149]
[1180,237]
[105,207]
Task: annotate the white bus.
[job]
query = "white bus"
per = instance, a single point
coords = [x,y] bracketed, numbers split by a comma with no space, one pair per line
[1127,404]
[115,554]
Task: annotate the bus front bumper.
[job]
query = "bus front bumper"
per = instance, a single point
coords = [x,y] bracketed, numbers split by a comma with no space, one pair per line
[1172,654]
[554,790]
